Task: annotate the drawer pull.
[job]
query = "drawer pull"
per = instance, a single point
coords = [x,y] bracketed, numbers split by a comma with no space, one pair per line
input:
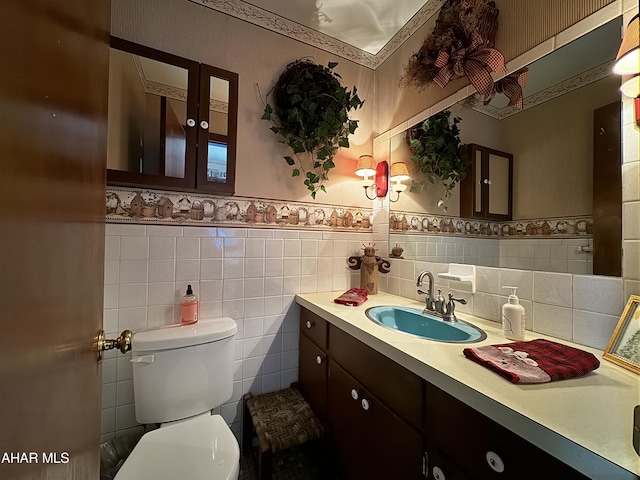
[355,394]
[309,324]
[319,360]
[495,462]
[366,405]
[438,474]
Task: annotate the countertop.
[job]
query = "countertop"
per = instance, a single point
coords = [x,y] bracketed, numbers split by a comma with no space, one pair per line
[586,422]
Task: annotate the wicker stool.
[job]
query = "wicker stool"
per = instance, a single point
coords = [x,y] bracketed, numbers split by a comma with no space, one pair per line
[281,420]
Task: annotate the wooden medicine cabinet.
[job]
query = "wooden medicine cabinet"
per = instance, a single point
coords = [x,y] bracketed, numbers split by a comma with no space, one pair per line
[172,121]
[486,190]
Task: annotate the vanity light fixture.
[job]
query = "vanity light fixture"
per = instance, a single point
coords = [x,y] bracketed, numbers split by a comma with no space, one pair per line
[628,63]
[366,168]
[399,173]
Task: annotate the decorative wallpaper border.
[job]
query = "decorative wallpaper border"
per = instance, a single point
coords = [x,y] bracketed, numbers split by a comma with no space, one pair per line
[130,205]
[557,227]
[275,23]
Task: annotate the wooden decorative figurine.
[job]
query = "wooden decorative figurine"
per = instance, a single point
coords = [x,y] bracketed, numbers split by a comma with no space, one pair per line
[369,265]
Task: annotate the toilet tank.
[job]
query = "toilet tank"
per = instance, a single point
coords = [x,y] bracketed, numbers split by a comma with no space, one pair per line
[182,370]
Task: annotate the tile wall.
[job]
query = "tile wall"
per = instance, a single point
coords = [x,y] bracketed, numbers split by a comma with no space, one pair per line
[560,255]
[251,275]
[580,308]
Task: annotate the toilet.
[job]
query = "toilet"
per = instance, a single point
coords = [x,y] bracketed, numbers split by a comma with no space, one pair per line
[180,373]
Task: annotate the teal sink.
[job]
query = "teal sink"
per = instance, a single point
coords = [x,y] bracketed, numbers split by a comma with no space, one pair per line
[413,322]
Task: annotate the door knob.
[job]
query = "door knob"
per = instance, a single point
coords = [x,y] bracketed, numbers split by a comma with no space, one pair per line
[122,343]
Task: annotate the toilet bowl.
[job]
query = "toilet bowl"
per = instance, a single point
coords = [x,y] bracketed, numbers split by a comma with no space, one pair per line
[180,373]
[203,448]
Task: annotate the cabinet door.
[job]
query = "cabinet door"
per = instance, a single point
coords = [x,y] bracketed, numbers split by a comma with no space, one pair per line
[217,124]
[312,376]
[486,191]
[369,439]
[153,103]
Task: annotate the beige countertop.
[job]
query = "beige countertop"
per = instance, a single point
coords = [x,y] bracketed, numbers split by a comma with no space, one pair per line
[586,422]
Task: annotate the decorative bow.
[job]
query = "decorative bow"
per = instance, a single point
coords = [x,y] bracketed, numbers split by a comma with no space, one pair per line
[511,86]
[475,62]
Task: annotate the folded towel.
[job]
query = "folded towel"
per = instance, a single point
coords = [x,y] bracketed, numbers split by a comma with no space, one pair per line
[353,297]
[534,361]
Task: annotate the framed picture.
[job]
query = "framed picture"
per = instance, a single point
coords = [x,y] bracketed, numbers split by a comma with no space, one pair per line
[624,346]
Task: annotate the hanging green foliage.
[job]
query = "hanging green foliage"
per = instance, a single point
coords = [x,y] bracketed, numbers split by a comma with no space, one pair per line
[438,153]
[310,113]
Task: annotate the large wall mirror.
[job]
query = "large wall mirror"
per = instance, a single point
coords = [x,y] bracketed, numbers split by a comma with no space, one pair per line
[566,151]
[172,121]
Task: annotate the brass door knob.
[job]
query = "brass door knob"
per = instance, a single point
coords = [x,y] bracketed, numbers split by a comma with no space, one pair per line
[122,343]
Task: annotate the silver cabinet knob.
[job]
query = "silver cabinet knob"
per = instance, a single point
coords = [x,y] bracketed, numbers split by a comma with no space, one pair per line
[495,462]
[438,474]
[366,405]
[204,124]
[355,394]
[319,360]
[191,122]
[309,324]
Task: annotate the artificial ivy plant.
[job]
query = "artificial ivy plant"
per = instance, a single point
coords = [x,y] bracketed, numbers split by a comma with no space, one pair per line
[438,153]
[310,113]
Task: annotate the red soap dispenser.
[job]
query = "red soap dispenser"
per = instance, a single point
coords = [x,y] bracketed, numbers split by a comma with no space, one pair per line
[189,308]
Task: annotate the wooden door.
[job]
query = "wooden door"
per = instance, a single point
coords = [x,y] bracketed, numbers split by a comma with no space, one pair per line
[53,92]
[607,191]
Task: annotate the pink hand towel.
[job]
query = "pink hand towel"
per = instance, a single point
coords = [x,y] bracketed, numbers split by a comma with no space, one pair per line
[534,361]
[353,297]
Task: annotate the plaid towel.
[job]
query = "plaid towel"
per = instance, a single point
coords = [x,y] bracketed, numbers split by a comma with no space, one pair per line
[353,297]
[534,361]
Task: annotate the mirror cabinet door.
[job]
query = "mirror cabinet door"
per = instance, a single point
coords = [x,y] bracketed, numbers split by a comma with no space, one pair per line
[153,101]
[217,130]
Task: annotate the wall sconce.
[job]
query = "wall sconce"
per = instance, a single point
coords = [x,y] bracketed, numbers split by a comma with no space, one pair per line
[379,185]
[628,63]
[399,173]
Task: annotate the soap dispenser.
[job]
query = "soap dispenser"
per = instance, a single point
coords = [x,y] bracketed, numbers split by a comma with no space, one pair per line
[513,317]
[189,308]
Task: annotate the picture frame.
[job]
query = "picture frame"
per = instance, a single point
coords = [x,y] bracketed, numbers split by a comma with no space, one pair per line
[624,346]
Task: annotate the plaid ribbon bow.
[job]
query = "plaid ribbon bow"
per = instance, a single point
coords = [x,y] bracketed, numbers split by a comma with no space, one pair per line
[511,86]
[475,62]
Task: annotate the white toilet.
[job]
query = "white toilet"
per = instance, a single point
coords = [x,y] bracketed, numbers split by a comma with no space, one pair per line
[180,373]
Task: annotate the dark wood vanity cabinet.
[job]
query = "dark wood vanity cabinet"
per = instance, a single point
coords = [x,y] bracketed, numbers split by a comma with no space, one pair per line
[172,121]
[386,422]
[486,190]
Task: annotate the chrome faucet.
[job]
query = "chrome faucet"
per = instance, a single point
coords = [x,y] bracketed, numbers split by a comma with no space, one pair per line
[430,302]
[436,305]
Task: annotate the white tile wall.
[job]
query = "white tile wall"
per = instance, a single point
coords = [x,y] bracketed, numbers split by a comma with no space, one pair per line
[545,254]
[251,275]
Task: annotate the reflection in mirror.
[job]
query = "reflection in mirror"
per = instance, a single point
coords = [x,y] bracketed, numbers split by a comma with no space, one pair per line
[553,141]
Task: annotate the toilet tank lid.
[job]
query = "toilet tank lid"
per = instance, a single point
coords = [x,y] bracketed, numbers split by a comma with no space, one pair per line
[177,335]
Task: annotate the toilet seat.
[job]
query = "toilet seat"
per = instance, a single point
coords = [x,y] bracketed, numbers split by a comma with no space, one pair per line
[197,449]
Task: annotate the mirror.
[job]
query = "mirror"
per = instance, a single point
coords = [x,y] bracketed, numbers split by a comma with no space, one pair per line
[159,133]
[552,142]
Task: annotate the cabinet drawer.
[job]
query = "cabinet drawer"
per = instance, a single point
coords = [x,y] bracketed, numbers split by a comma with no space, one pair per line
[314,328]
[396,386]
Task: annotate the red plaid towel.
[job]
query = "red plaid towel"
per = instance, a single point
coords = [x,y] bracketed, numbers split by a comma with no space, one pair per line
[535,361]
[353,297]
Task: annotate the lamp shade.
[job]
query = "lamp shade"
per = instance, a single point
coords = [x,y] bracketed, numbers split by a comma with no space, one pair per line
[399,172]
[631,88]
[366,166]
[628,58]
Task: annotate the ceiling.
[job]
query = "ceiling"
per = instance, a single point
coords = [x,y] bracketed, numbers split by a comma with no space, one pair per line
[364,24]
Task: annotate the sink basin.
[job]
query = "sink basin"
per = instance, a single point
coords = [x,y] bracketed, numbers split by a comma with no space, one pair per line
[412,322]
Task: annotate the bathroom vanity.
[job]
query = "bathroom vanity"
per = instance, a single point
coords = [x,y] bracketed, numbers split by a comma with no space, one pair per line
[400,406]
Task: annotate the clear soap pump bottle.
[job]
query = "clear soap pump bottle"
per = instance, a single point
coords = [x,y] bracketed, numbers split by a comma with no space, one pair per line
[513,317]
[189,308]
